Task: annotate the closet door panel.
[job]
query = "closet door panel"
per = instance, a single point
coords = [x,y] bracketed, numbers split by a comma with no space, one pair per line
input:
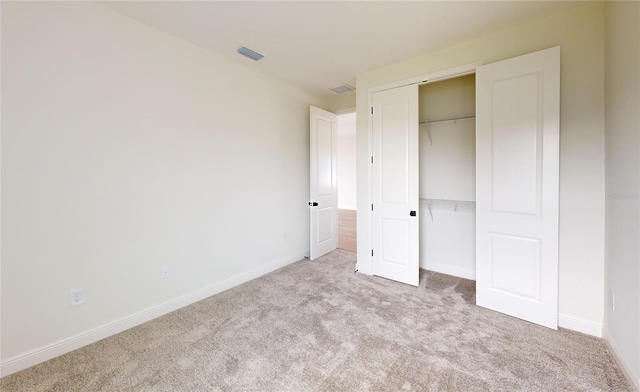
[395,184]
[517,176]
[516,135]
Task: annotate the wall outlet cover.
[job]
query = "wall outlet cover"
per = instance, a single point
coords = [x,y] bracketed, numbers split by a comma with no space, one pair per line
[76,297]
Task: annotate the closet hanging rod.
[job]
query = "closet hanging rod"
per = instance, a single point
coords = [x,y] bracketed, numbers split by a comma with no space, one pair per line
[457,205]
[461,202]
[448,118]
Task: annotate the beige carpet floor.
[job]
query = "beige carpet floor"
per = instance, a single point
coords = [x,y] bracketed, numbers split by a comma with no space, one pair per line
[318,326]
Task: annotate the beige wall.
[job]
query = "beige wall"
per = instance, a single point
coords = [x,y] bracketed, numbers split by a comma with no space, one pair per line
[343,102]
[124,149]
[622,325]
[580,33]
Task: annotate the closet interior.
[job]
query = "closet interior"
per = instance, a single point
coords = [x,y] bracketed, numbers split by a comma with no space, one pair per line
[447,176]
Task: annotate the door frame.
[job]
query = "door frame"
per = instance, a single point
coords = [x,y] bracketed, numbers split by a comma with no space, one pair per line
[365,264]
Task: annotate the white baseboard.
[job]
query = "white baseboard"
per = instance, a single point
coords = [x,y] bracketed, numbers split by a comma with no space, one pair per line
[39,355]
[364,268]
[580,325]
[634,380]
[466,273]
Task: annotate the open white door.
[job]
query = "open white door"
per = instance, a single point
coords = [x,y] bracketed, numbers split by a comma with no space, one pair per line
[395,184]
[323,202]
[517,172]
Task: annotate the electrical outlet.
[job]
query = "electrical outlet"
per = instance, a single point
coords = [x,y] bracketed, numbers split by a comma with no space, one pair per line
[76,297]
[166,272]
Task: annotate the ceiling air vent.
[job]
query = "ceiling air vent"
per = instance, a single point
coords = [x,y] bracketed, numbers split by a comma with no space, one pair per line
[252,54]
[345,88]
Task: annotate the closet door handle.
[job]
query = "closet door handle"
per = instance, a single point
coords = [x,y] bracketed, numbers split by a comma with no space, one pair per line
[412,213]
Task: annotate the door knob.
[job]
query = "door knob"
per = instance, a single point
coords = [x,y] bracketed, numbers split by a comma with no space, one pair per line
[412,213]
[313,204]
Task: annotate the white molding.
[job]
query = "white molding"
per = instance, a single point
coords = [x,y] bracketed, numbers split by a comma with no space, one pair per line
[580,325]
[624,366]
[437,76]
[466,273]
[39,355]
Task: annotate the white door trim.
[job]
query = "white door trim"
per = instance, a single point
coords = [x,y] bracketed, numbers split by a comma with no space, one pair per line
[430,77]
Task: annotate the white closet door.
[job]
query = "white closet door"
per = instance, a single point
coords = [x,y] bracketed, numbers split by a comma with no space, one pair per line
[323,202]
[395,184]
[517,172]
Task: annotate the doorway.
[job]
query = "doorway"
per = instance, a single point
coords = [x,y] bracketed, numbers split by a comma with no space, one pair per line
[448,177]
[347,181]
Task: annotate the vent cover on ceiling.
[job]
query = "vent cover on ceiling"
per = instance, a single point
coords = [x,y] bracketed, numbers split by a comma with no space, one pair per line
[252,54]
[345,88]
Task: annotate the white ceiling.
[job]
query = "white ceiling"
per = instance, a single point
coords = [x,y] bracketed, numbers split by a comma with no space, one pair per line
[318,45]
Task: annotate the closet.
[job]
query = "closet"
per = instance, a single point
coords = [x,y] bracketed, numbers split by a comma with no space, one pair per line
[464,180]
[447,191]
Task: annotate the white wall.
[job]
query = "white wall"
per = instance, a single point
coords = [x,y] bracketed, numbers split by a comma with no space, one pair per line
[622,325]
[124,149]
[448,171]
[580,33]
[347,161]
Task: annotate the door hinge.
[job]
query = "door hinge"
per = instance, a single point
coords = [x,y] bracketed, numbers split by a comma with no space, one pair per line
[371,207]
[371,252]
[371,109]
[371,158]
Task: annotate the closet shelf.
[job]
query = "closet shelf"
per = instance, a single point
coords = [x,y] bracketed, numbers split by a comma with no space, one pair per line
[448,118]
[447,204]
[440,119]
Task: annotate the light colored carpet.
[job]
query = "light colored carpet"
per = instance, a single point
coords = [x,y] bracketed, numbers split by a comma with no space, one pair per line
[318,326]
